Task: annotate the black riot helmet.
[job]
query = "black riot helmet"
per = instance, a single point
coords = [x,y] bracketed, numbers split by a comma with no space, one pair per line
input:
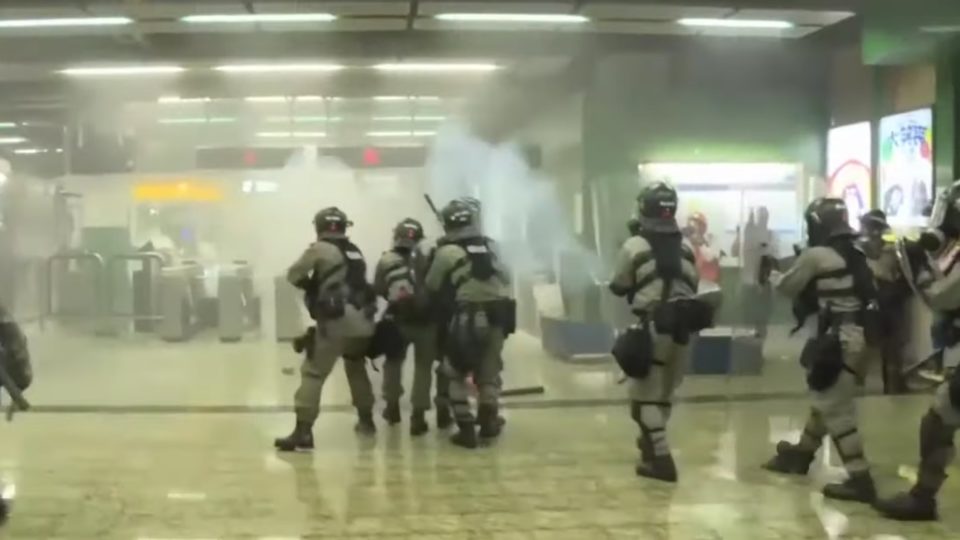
[457,215]
[874,224]
[826,218]
[331,222]
[657,208]
[407,234]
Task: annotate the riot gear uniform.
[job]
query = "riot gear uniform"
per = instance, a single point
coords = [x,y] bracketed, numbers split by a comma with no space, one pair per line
[656,273]
[332,273]
[940,423]
[470,290]
[399,280]
[18,372]
[834,272]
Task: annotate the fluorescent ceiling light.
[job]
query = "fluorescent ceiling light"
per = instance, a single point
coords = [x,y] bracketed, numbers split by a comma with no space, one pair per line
[941,29]
[242,18]
[30,151]
[736,23]
[436,68]
[198,120]
[266,99]
[121,70]
[401,133]
[277,68]
[302,119]
[304,99]
[406,98]
[7,125]
[61,22]
[291,134]
[176,100]
[409,118]
[549,18]
[12,140]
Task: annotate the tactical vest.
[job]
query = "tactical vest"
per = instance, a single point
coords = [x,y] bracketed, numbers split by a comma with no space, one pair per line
[326,299]
[864,290]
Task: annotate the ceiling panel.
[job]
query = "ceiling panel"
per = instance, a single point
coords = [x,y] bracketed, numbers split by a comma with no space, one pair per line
[432,8]
[649,28]
[817,18]
[651,12]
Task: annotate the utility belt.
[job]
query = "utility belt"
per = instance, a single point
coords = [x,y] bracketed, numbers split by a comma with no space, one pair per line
[869,319]
[331,305]
[411,310]
[680,318]
[501,313]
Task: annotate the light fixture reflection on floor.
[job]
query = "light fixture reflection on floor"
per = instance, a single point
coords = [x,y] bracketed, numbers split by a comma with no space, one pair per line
[277,68]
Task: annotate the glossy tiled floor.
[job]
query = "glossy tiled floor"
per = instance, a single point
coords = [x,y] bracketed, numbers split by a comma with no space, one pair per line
[140,440]
[557,474]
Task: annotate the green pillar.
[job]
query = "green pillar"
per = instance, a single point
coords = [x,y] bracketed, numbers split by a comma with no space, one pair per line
[945,121]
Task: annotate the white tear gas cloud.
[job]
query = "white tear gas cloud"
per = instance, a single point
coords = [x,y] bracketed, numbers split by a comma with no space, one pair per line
[520,206]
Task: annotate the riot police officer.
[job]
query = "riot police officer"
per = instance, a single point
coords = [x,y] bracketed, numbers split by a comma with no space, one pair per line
[938,426]
[830,278]
[17,372]
[470,288]
[399,280]
[332,272]
[656,272]
[892,292]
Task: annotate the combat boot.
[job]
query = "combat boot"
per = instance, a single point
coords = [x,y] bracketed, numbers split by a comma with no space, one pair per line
[466,437]
[418,424]
[365,425]
[858,488]
[790,459]
[913,505]
[391,413]
[490,421]
[645,445]
[659,468]
[444,417]
[300,439]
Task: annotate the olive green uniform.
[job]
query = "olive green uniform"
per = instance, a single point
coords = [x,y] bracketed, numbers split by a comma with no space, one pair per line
[346,336]
[652,396]
[422,334]
[471,294]
[834,410]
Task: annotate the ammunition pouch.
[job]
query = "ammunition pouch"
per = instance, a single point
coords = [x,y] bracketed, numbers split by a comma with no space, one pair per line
[387,340]
[468,335]
[633,351]
[823,357]
[503,315]
[328,306]
[680,318]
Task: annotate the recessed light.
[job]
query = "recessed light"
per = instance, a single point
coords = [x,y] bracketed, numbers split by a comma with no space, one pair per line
[63,22]
[736,23]
[436,68]
[277,68]
[291,134]
[121,70]
[242,18]
[546,18]
[401,133]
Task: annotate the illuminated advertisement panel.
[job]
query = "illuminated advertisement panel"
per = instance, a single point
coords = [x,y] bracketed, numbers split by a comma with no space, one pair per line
[849,177]
[905,167]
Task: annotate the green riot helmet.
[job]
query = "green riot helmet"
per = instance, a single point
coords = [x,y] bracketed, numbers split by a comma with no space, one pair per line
[826,218]
[407,234]
[331,222]
[457,215]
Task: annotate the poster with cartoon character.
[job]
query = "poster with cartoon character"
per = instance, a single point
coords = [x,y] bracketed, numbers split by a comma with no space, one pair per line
[905,167]
[849,174]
